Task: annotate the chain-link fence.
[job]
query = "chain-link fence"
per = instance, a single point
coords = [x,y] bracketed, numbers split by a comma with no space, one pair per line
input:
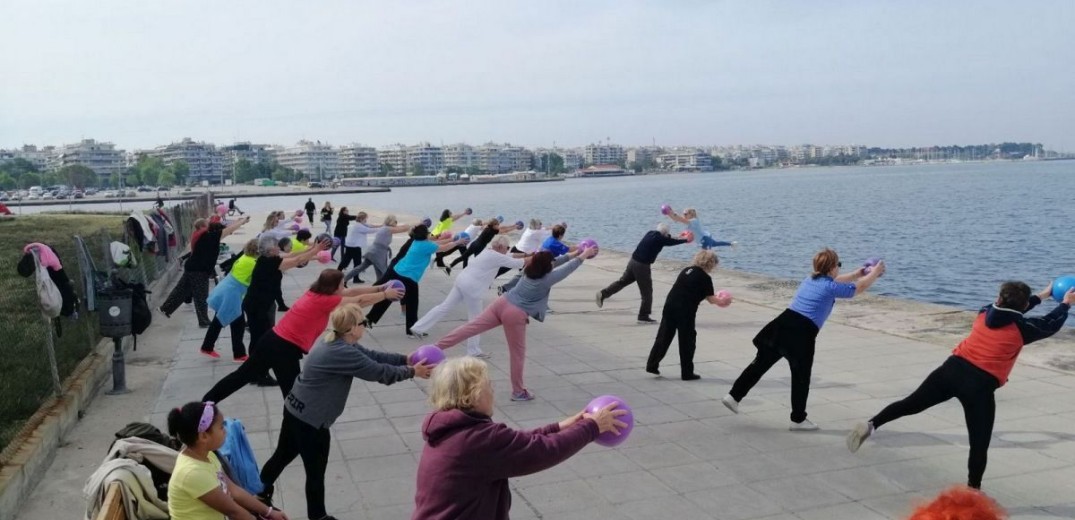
[83,243]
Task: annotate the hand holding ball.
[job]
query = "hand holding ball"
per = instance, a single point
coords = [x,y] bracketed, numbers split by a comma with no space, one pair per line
[610,438]
[687,235]
[519,224]
[431,354]
[427,222]
[724,298]
[867,267]
[464,236]
[468,211]
[666,209]
[1061,286]
[396,285]
[587,244]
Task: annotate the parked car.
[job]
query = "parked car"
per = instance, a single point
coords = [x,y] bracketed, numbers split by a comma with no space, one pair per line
[314,184]
[79,195]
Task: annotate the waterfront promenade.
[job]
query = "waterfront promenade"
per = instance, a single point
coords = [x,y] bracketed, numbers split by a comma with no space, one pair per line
[688,456]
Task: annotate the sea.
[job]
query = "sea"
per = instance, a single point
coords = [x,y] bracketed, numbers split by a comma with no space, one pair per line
[949,233]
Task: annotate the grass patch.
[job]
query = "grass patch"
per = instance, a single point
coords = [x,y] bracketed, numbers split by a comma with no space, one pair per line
[27,378]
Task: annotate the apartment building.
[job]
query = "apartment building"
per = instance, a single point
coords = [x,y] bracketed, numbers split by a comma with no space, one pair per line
[358,160]
[314,160]
[101,157]
[205,161]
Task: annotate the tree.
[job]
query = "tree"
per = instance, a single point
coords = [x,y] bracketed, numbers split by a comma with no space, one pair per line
[17,167]
[167,179]
[244,171]
[455,169]
[7,182]
[131,180]
[77,175]
[180,170]
[50,179]
[29,179]
[113,180]
[417,169]
[387,169]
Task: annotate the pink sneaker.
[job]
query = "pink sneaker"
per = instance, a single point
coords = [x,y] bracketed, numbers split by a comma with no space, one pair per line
[210,353]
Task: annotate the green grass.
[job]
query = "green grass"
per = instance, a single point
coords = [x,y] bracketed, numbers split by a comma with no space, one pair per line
[25,376]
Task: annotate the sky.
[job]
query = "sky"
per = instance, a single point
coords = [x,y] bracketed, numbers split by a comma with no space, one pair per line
[537,73]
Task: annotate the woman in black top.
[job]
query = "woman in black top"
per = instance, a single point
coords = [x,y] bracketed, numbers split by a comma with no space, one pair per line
[477,244]
[340,232]
[261,297]
[680,307]
[199,267]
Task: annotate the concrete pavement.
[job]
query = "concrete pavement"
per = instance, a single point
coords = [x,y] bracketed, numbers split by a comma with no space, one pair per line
[688,457]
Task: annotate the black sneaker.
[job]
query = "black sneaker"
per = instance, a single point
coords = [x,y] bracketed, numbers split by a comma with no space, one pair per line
[367,324]
[161,310]
[285,308]
[646,320]
[691,377]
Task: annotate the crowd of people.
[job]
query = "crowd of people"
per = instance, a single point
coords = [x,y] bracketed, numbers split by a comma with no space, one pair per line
[468,457]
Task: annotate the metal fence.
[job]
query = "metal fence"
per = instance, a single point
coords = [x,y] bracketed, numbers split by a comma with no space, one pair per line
[28,379]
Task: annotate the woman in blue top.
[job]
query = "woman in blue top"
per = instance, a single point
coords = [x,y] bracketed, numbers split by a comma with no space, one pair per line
[791,335]
[690,218]
[409,269]
[555,242]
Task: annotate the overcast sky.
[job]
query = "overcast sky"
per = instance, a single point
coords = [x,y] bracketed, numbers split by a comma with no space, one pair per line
[142,73]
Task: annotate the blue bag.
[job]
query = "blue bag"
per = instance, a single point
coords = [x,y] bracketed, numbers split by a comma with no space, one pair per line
[240,456]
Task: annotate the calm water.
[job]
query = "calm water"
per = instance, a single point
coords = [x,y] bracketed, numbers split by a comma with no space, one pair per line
[949,233]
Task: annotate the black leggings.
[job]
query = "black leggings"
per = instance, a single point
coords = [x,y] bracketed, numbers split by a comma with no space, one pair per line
[350,254]
[675,321]
[440,256]
[472,250]
[298,439]
[410,300]
[261,321]
[974,388]
[272,351]
[790,336]
[238,329]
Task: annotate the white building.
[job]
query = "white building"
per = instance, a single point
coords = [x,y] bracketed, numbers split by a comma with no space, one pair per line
[358,160]
[685,160]
[395,157]
[572,158]
[314,160]
[205,162]
[503,158]
[460,156]
[604,154]
[30,153]
[102,158]
[643,154]
[424,159]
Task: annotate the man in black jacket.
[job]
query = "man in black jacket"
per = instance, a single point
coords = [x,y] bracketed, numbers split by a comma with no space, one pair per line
[638,270]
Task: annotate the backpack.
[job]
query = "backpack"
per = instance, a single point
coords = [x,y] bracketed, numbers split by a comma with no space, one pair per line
[48,294]
[141,316]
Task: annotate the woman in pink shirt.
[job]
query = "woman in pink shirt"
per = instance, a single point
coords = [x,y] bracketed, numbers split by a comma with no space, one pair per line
[281,348]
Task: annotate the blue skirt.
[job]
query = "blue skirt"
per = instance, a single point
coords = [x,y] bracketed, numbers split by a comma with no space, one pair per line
[226,299]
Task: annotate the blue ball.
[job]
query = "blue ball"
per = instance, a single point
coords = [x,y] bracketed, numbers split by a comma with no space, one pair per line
[463,235]
[1061,286]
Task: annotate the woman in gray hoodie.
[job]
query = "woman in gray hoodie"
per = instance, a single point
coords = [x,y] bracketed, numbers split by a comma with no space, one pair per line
[319,396]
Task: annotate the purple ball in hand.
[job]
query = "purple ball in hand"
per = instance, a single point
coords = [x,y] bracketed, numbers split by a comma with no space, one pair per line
[427,222]
[397,285]
[587,243]
[869,263]
[610,439]
[431,354]
[665,209]
[519,224]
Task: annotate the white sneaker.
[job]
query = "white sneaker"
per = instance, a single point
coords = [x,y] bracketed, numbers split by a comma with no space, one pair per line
[599,300]
[730,403]
[805,426]
[858,435]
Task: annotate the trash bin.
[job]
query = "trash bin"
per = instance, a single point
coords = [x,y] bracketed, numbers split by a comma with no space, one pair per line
[114,312]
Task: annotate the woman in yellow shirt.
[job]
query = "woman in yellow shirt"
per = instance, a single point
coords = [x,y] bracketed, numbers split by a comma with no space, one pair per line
[199,489]
[447,220]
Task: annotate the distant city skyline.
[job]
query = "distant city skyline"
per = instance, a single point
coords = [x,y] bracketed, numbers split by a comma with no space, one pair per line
[687,73]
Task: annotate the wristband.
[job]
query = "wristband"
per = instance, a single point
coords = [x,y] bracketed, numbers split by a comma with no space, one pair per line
[268,513]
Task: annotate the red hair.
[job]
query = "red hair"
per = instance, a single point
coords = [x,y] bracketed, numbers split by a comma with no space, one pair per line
[960,503]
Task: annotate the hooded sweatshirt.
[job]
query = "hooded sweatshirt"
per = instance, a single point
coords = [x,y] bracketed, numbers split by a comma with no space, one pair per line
[999,334]
[468,459]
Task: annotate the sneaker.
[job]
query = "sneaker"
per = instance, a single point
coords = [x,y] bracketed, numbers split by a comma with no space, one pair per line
[653,370]
[359,280]
[730,403]
[367,324]
[203,325]
[500,290]
[483,355]
[416,335]
[525,395]
[210,353]
[240,359]
[805,426]
[646,320]
[599,299]
[284,308]
[691,377]
[861,432]
[161,310]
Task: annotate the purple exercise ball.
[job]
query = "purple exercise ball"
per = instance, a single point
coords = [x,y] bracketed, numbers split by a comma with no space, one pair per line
[869,263]
[431,354]
[397,285]
[665,209]
[609,439]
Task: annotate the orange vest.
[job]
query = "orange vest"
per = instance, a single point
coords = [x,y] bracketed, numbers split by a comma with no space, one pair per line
[992,350]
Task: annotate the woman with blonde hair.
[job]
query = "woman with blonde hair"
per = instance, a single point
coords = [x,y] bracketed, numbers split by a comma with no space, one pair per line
[792,334]
[320,395]
[468,459]
[379,249]
[680,309]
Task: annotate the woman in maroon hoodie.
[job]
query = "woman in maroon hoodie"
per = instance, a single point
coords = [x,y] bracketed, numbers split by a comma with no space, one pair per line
[468,458]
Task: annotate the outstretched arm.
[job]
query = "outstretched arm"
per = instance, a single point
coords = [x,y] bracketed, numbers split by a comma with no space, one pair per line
[234,226]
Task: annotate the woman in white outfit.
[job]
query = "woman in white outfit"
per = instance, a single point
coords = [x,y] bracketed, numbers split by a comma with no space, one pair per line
[469,287]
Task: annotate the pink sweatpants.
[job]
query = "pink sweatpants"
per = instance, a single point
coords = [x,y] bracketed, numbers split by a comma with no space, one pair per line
[513,319]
